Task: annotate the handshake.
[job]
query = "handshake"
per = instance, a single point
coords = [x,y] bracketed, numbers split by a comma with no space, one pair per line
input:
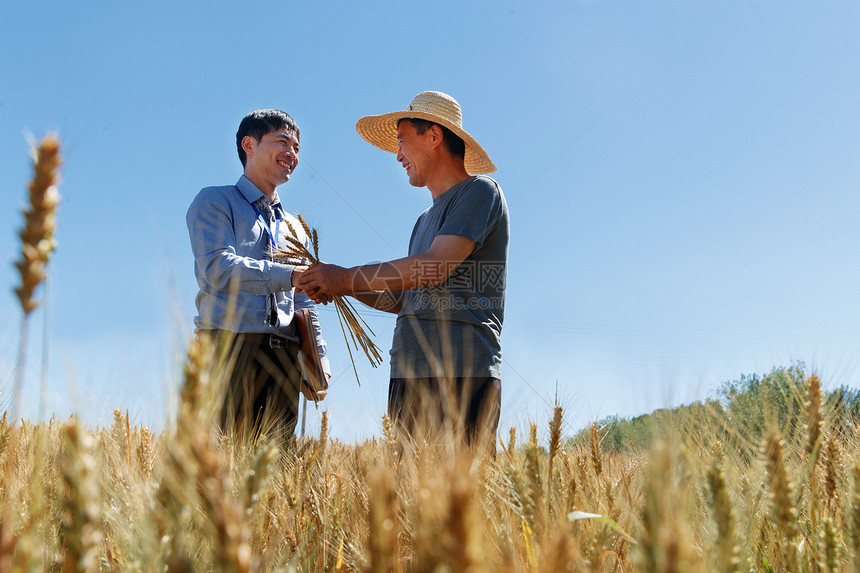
[322,281]
[378,285]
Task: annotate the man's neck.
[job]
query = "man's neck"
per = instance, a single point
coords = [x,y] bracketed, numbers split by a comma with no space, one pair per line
[446,176]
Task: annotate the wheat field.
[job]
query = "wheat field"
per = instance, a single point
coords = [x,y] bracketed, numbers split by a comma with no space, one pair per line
[708,495]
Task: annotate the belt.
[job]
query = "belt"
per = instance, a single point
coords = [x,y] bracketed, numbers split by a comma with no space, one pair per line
[268,339]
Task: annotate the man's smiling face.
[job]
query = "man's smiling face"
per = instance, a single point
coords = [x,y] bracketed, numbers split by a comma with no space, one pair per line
[272,159]
[412,153]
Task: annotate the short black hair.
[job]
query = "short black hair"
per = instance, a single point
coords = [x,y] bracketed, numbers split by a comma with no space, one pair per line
[453,142]
[260,122]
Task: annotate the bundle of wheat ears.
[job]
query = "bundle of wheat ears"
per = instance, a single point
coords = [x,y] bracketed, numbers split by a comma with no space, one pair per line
[297,253]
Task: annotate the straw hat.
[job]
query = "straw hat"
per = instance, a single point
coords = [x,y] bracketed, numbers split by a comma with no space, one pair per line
[381,130]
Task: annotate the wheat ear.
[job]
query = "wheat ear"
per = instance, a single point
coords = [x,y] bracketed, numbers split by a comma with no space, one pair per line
[554,444]
[383,521]
[82,513]
[832,472]
[145,455]
[120,436]
[721,505]
[255,481]
[596,458]
[813,417]
[535,492]
[37,236]
[829,546]
[782,507]
[854,517]
[782,491]
[233,553]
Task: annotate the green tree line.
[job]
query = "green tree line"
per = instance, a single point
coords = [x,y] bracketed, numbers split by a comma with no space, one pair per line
[740,412]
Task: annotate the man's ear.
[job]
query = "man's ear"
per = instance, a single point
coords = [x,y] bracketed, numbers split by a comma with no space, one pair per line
[436,135]
[249,145]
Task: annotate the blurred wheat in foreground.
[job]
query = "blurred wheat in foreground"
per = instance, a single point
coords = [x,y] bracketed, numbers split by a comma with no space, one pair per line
[37,245]
[37,236]
[739,484]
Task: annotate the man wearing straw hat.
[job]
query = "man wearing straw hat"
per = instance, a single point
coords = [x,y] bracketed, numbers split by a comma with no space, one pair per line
[246,299]
[449,293]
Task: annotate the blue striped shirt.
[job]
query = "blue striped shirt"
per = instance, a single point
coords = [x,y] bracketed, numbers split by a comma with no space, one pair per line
[229,240]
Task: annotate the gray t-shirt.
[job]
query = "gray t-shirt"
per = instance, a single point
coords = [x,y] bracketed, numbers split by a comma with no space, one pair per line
[453,329]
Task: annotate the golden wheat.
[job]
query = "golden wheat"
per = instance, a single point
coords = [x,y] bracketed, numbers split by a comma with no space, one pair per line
[723,512]
[37,236]
[196,499]
[82,533]
[814,423]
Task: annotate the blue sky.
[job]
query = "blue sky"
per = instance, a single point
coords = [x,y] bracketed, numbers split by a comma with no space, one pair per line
[682,181]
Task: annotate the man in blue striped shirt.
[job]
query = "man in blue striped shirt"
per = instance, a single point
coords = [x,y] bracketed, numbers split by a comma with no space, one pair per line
[246,298]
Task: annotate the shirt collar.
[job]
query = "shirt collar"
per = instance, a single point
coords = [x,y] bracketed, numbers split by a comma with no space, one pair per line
[252,193]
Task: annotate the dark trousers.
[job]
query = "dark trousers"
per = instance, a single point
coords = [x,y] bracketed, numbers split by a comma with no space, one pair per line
[424,407]
[262,387]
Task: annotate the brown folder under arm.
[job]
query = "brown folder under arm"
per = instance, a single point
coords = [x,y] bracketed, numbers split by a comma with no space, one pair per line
[310,355]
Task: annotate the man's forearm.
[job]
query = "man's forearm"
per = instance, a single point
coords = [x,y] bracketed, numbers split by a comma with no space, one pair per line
[408,273]
[416,271]
[384,301]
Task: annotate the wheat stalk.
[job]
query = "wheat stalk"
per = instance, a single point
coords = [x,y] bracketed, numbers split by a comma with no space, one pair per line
[37,244]
[37,241]
[298,253]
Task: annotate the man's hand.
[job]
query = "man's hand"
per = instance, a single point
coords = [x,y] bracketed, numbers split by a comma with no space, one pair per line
[323,280]
[318,296]
[297,274]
